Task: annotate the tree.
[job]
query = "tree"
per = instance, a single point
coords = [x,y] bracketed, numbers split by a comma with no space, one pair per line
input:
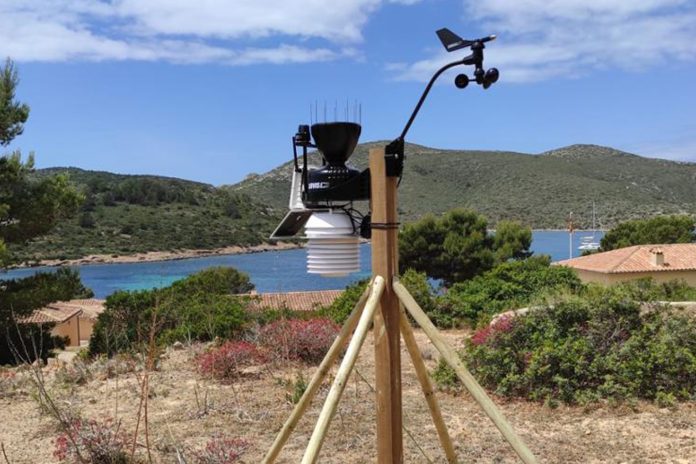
[28,207]
[457,246]
[656,230]
[512,241]
[13,114]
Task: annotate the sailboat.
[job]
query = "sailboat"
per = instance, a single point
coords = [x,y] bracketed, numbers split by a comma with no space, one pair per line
[589,242]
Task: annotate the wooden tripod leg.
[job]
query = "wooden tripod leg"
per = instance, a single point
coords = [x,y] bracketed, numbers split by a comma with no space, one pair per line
[476,391]
[424,379]
[317,379]
[334,396]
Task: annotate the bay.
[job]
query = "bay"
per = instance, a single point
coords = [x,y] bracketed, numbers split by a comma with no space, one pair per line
[270,271]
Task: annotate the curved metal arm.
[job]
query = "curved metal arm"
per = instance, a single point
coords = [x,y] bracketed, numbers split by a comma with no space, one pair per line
[396,147]
[427,91]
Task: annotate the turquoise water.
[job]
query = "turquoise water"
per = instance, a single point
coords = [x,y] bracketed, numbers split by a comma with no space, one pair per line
[271,271]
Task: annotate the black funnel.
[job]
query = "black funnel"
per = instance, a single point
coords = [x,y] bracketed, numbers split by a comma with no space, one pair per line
[336,140]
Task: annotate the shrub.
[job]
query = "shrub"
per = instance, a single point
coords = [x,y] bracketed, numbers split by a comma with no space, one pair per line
[342,306]
[222,450]
[97,442]
[226,362]
[12,382]
[510,285]
[76,373]
[296,339]
[590,347]
[297,388]
[420,289]
[445,378]
[200,307]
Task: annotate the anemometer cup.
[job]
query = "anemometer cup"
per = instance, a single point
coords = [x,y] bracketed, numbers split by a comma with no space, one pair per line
[461,81]
[336,140]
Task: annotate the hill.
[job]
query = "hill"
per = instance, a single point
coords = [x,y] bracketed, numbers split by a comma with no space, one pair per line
[538,190]
[127,214]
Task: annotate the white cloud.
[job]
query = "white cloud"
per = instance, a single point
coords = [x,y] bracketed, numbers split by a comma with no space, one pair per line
[541,39]
[239,32]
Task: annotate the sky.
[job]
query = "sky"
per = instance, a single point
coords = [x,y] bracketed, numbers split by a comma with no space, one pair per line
[213,90]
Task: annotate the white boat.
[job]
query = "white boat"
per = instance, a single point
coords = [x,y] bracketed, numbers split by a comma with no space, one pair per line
[589,242]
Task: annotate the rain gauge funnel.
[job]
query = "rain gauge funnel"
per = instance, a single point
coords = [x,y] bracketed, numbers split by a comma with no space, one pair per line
[336,140]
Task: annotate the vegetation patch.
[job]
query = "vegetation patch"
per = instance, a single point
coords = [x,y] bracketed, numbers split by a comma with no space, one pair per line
[200,307]
[510,285]
[93,441]
[127,214]
[655,230]
[222,450]
[298,340]
[603,345]
[225,363]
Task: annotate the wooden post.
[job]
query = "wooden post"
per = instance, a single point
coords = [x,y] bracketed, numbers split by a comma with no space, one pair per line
[465,376]
[318,378]
[427,387]
[385,258]
[339,384]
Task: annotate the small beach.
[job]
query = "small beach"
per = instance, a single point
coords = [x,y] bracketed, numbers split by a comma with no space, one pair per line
[154,256]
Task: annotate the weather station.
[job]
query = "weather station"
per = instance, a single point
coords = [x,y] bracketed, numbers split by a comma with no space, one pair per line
[321,203]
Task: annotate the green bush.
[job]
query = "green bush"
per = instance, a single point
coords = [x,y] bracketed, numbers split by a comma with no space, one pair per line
[342,306]
[416,283]
[646,290]
[420,289]
[200,307]
[585,348]
[507,286]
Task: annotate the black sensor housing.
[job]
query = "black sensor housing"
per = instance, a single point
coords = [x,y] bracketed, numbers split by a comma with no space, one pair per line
[335,181]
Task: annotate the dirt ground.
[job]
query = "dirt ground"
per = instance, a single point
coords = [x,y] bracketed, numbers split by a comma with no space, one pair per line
[185,411]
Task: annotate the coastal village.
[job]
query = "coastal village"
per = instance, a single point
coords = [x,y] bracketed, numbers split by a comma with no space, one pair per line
[324,289]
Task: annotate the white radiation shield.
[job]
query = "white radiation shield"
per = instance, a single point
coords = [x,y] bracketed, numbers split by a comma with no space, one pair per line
[333,246]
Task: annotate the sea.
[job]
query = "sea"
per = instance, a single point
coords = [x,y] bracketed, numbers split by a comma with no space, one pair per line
[270,271]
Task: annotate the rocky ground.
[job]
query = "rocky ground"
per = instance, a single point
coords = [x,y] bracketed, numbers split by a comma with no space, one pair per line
[185,411]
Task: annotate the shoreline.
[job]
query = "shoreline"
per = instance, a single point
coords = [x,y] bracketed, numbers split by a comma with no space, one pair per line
[156,256]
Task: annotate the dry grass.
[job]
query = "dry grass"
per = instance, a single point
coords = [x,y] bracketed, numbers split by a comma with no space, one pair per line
[185,411]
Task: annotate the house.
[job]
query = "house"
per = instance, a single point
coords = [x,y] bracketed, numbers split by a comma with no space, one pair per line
[73,319]
[294,301]
[661,262]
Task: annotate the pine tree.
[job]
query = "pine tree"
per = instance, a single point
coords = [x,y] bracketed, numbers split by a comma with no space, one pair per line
[13,114]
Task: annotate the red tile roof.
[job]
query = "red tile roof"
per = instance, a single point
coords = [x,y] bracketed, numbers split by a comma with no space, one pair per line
[295,301]
[51,314]
[62,311]
[639,258]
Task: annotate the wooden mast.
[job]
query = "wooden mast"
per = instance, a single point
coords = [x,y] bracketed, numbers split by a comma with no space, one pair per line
[385,260]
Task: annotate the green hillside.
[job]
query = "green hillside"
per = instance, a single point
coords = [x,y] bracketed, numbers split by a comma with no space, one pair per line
[539,190]
[126,214]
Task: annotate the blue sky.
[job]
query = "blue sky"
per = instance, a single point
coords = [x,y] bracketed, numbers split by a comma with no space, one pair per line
[213,90]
